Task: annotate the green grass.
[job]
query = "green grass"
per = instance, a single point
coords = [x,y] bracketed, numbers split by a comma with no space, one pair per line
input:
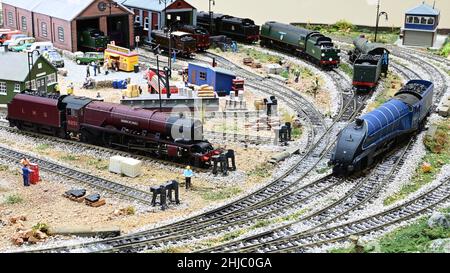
[221,194]
[296,133]
[13,199]
[261,56]
[68,157]
[43,147]
[445,51]
[347,69]
[391,86]
[295,216]
[413,238]
[263,171]
[410,239]
[232,235]
[98,163]
[438,155]
[3,168]
[285,74]
[261,223]
[348,30]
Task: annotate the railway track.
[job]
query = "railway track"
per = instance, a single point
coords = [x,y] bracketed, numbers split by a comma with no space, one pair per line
[423,204]
[364,190]
[14,156]
[235,137]
[156,237]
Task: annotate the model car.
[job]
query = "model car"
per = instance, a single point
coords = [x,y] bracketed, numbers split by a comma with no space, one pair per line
[89,57]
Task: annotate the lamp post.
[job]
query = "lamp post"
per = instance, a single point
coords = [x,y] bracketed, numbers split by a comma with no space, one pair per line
[213,2]
[31,64]
[379,14]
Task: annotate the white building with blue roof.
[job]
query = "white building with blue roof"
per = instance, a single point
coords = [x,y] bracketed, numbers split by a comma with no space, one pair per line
[421,24]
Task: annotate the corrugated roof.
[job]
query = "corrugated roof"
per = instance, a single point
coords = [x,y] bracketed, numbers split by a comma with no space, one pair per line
[215,69]
[423,9]
[17,72]
[384,115]
[154,5]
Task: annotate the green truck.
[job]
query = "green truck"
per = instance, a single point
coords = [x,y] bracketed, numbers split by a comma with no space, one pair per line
[305,43]
[92,39]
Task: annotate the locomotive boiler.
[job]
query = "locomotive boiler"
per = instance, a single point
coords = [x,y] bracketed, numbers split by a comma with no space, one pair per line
[302,42]
[364,141]
[240,29]
[113,125]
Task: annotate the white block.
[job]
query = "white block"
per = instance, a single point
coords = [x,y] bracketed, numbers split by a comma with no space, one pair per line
[131,167]
[115,164]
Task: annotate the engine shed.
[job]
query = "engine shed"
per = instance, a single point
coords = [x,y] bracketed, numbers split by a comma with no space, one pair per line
[421,24]
[153,15]
[219,78]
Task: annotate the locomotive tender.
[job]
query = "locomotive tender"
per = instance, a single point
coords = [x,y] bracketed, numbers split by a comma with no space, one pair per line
[200,34]
[240,29]
[370,61]
[365,140]
[180,42]
[113,125]
[302,42]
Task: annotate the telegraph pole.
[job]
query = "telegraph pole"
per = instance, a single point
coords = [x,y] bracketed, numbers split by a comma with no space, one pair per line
[378,19]
[213,2]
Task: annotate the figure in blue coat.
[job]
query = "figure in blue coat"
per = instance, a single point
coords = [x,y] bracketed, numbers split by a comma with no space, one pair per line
[26,175]
[188,173]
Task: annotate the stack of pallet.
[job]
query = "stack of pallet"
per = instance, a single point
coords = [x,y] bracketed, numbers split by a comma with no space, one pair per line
[132,91]
[205,91]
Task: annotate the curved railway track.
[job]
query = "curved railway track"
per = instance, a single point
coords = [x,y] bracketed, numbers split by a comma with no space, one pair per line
[78,176]
[364,190]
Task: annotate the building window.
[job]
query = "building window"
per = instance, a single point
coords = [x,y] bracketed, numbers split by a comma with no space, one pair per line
[51,78]
[203,76]
[33,84]
[3,88]
[24,23]
[137,19]
[17,88]
[416,20]
[61,34]
[10,19]
[423,21]
[410,19]
[44,32]
[431,21]
[146,23]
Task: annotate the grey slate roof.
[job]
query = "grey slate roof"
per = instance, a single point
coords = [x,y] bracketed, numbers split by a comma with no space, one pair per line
[61,9]
[154,5]
[17,72]
[423,9]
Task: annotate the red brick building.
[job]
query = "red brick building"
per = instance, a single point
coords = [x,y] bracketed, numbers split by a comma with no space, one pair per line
[156,14]
[61,21]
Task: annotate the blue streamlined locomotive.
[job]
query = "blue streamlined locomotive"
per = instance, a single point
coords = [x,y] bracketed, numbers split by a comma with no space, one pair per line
[361,142]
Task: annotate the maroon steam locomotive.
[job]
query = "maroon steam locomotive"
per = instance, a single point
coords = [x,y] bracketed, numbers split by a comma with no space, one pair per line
[113,125]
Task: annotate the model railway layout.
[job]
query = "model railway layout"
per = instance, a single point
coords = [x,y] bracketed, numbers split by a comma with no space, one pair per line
[248,135]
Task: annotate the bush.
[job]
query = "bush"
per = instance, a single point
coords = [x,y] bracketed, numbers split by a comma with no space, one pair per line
[445,51]
[343,25]
[13,199]
[130,210]
[43,227]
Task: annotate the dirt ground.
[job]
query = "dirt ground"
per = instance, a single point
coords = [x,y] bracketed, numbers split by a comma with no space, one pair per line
[44,203]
